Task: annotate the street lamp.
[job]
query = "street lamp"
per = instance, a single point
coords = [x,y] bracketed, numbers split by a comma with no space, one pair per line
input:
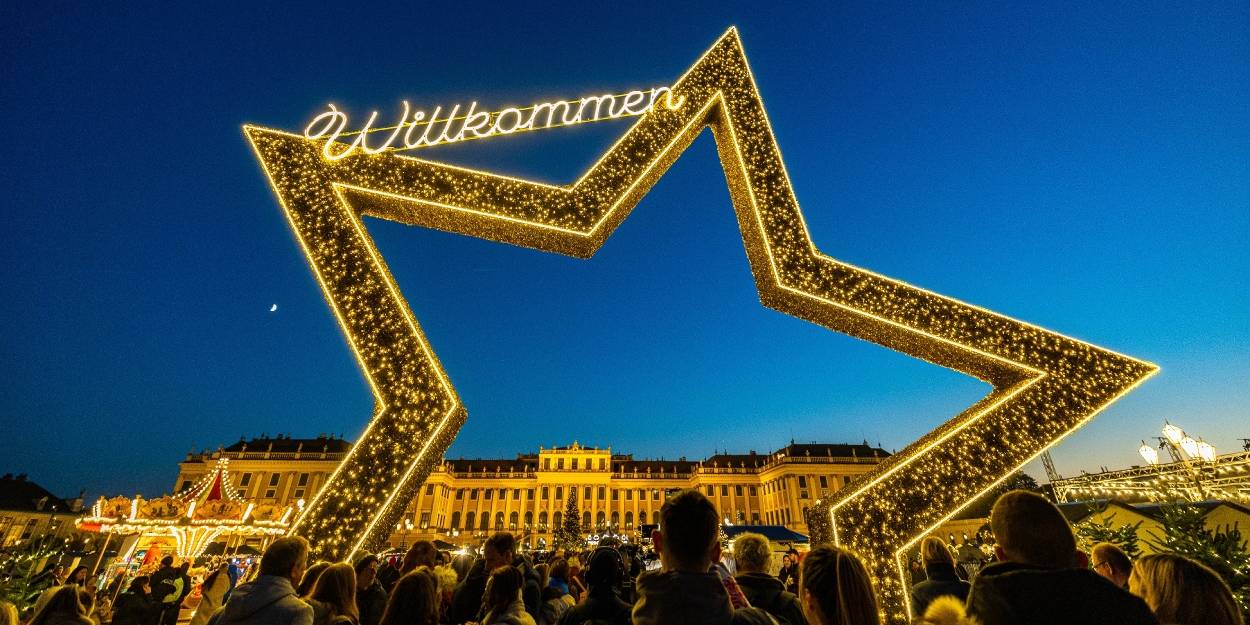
[1149,453]
[1173,433]
[1206,451]
[1190,446]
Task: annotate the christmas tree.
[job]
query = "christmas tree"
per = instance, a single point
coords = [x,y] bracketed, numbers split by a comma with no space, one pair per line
[569,535]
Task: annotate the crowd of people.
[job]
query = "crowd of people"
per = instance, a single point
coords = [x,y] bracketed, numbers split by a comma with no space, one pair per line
[1038,576]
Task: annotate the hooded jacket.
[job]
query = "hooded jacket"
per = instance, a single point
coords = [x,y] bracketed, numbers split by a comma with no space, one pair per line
[514,615]
[269,600]
[682,598]
[941,580]
[601,604]
[136,609]
[1011,593]
[768,593]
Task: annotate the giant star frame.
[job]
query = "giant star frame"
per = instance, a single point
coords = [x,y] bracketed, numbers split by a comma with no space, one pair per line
[1045,385]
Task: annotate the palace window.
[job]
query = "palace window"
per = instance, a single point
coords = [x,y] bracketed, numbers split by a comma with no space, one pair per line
[559,492]
[755,518]
[711,491]
[529,520]
[751,490]
[299,492]
[556,519]
[485,525]
[600,520]
[512,520]
[616,520]
[429,490]
[642,517]
[503,494]
[575,464]
[529,495]
[469,517]
[546,492]
[724,490]
[846,479]
[587,493]
[546,464]
[602,464]
[303,480]
[273,479]
[185,485]
[516,494]
[616,494]
[586,521]
[425,520]
[490,492]
[629,494]
[824,482]
[459,493]
[629,520]
[455,520]
[802,494]
[560,464]
[245,480]
[542,520]
[269,494]
[738,490]
[601,493]
[802,482]
[655,494]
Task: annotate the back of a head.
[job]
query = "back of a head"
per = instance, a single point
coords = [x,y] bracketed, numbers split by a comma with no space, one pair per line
[167,561]
[422,553]
[934,549]
[505,587]
[413,601]
[137,584]
[283,555]
[502,542]
[462,564]
[62,604]
[689,528]
[752,552]
[309,581]
[838,581]
[559,569]
[1114,556]
[604,567]
[1184,592]
[1031,530]
[336,586]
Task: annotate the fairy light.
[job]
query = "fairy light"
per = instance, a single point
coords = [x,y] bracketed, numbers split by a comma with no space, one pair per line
[1046,385]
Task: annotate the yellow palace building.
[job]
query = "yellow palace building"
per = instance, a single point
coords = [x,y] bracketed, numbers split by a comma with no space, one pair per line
[463,501]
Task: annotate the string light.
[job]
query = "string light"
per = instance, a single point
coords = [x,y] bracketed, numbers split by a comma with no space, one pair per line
[1046,385]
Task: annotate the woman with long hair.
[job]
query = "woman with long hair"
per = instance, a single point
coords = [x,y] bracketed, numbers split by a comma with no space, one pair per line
[212,590]
[333,598]
[309,580]
[77,577]
[558,574]
[414,600]
[1182,591]
[63,608]
[502,599]
[834,589]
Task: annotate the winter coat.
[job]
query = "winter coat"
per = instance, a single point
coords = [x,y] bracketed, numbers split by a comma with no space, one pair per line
[210,599]
[941,580]
[372,603]
[1013,593]
[768,593]
[159,588]
[551,611]
[556,582]
[268,600]
[136,609]
[514,615]
[601,604]
[790,577]
[466,601]
[531,592]
[669,597]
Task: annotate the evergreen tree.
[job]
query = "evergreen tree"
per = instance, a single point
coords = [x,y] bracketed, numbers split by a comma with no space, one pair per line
[981,507]
[1223,550]
[569,535]
[25,580]
[1090,533]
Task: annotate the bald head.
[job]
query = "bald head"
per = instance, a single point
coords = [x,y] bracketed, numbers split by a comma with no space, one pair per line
[1031,530]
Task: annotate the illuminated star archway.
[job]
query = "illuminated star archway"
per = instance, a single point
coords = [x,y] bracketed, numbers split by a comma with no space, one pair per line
[1045,385]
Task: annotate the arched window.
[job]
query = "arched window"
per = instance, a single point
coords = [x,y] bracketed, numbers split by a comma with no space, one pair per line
[499,521]
[542,520]
[485,526]
[616,520]
[512,520]
[455,520]
[529,520]
[586,521]
[469,518]
[805,515]
[642,517]
[556,520]
[600,520]
[629,520]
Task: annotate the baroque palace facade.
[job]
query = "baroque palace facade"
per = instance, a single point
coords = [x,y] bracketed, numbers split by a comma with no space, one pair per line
[464,501]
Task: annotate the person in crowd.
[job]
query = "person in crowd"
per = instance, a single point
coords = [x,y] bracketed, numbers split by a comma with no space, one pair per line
[500,551]
[136,606]
[917,572]
[554,606]
[63,608]
[789,574]
[309,581]
[333,598]
[370,595]
[685,590]
[1039,578]
[835,589]
[212,589]
[167,571]
[940,576]
[1112,563]
[462,563]
[466,601]
[422,553]
[183,586]
[502,599]
[115,586]
[558,575]
[1182,591]
[8,614]
[544,575]
[270,599]
[77,577]
[602,604]
[414,600]
[752,555]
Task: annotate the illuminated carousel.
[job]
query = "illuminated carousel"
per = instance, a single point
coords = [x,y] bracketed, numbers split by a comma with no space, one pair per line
[195,518]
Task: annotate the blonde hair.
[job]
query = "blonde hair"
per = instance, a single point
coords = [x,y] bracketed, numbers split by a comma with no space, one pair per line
[1183,591]
[8,613]
[337,588]
[934,549]
[752,552]
[64,601]
[838,581]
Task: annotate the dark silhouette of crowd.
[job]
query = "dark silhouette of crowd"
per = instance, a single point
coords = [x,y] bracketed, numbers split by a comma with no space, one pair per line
[1037,576]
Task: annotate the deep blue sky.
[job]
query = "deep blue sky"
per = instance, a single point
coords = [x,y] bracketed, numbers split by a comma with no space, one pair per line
[1083,168]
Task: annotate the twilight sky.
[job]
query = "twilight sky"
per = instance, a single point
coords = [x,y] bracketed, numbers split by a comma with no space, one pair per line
[1082,168]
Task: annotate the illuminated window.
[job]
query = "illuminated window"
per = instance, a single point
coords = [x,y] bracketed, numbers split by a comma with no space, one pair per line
[655,494]
[512,520]
[629,520]
[529,520]
[642,517]
[425,520]
[586,521]
[542,520]
[616,520]
[556,519]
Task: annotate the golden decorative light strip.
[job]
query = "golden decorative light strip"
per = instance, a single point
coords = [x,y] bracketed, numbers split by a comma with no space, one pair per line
[1046,385]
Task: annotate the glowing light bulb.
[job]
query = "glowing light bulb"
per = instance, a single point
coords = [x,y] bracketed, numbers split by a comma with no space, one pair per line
[1190,446]
[1173,433]
[1149,453]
